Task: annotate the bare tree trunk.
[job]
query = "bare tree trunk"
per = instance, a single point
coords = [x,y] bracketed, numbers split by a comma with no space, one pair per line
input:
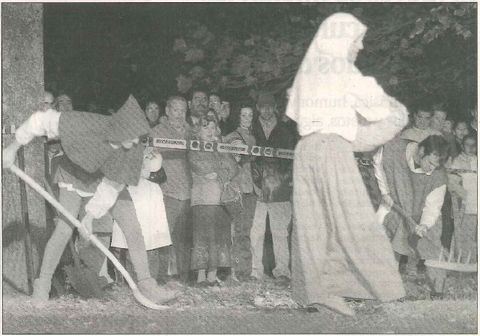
[23,90]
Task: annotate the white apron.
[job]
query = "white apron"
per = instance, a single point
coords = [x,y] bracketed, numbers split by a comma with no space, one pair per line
[147,198]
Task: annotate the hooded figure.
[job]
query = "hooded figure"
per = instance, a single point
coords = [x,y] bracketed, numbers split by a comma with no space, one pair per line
[330,95]
[96,147]
[338,250]
[87,140]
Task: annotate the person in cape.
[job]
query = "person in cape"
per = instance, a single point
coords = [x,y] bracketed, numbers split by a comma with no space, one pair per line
[103,153]
[339,250]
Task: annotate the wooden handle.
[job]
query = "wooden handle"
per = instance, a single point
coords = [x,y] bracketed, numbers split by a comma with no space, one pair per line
[35,186]
[405,215]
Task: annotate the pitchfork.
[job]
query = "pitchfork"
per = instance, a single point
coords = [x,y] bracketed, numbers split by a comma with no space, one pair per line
[450,263]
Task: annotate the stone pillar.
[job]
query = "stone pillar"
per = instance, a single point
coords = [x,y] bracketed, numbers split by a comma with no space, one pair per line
[23,89]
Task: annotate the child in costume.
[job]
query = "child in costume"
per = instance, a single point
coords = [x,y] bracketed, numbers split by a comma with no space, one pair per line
[412,176]
[464,186]
[98,147]
[147,198]
[338,249]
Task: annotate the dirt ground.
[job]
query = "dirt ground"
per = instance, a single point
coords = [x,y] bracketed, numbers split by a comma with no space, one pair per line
[245,307]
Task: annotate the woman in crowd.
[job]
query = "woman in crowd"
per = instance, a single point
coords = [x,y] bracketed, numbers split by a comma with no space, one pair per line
[241,198]
[211,225]
[460,129]
[338,249]
[152,112]
[463,186]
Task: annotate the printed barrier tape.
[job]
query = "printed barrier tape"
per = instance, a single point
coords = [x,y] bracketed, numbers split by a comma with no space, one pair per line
[9,130]
[206,146]
[196,145]
[224,148]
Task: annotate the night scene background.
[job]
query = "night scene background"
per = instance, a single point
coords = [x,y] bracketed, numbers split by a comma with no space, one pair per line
[416,51]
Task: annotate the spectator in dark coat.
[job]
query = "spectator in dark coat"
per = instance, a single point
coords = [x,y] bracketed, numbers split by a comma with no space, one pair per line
[272,178]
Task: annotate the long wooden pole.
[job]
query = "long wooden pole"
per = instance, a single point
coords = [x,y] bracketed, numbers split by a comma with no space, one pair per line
[35,186]
[26,224]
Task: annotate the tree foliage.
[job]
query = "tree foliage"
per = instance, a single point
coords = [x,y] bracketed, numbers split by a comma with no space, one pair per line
[414,50]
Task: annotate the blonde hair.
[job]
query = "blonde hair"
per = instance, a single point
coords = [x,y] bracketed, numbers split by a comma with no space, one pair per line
[205,121]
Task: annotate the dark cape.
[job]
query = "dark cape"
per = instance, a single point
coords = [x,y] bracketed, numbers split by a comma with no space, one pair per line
[87,137]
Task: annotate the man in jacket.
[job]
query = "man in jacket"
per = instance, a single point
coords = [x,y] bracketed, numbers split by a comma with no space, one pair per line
[272,178]
[177,188]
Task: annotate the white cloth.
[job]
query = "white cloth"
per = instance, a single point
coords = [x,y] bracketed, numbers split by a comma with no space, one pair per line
[147,198]
[39,124]
[328,89]
[70,187]
[379,172]
[434,201]
[105,197]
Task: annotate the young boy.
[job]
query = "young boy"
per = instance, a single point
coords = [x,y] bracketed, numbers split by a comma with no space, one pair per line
[464,185]
[102,152]
[412,176]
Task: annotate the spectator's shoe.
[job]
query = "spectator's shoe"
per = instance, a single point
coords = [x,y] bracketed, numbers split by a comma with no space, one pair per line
[334,303]
[215,283]
[113,286]
[201,284]
[152,291]
[41,291]
[436,295]
[283,280]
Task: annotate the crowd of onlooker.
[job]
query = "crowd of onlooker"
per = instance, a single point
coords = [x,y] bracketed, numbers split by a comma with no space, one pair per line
[218,205]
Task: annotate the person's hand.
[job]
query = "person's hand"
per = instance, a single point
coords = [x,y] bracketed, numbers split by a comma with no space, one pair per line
[87,225]
[9,154]
[387,200]
[421,230]
[211,176]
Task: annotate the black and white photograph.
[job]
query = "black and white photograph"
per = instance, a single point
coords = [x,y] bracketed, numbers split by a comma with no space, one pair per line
[239,167]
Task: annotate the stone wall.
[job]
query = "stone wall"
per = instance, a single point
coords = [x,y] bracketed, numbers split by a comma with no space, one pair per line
[23,89]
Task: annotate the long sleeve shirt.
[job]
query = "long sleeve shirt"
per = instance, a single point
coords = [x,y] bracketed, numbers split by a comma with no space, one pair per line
[47,124]
[434,200]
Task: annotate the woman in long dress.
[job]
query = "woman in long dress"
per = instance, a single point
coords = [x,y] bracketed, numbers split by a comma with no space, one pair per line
[339,249]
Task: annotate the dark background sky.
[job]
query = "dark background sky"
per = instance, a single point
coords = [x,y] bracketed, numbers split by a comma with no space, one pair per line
[81,39]
[74,34]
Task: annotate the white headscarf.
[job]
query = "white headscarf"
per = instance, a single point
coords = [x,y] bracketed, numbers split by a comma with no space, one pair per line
[328,89]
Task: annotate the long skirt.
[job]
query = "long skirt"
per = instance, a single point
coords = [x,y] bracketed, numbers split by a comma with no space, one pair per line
[211,237]
[338,246]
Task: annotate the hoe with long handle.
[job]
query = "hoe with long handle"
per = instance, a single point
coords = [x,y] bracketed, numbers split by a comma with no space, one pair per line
[448,264]
[35,186]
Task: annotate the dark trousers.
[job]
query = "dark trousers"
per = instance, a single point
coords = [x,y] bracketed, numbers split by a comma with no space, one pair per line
[181,230]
